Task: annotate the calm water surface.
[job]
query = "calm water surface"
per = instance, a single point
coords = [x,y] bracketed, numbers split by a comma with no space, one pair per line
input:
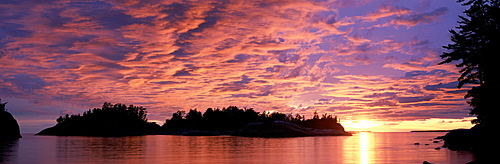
[361,148]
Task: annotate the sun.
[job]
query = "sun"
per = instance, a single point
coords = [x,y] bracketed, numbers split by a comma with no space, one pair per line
[361,124]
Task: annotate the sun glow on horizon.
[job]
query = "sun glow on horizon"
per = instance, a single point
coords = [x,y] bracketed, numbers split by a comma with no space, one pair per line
[360,124]
[406,125]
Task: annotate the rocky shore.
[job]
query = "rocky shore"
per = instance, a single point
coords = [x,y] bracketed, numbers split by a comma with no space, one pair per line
[482,141]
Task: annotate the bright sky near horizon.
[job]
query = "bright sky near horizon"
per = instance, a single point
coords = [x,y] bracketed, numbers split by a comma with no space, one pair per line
[373,63]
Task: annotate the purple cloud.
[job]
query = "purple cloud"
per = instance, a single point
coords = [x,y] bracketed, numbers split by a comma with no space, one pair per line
[289,56]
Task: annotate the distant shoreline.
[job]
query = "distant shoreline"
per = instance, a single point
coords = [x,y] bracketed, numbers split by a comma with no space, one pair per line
[430,130]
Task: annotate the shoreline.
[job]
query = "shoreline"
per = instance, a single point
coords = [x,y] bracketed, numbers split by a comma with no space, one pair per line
[419,131]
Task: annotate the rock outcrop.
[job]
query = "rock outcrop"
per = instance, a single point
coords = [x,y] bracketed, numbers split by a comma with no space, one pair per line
[285,129]
[9,129]
[482,141]
[459,139]
[264,129]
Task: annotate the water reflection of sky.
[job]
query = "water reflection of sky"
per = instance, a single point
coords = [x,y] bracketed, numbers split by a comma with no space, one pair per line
[364,148]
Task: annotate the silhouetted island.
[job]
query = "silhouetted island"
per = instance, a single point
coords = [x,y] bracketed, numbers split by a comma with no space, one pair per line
[110,120]
[9,129]
[247,122]
[123,120]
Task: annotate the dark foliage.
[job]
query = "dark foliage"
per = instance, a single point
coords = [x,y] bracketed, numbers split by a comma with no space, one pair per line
[475,49]
[475,46]
[110,120]
[232,118]
[2,106]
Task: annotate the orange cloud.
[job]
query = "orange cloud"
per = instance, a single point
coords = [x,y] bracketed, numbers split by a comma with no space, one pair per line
[288,56]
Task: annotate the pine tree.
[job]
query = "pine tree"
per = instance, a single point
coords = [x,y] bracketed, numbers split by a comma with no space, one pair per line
[475,46]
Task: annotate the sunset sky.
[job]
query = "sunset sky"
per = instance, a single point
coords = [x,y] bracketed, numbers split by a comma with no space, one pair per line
[373,63]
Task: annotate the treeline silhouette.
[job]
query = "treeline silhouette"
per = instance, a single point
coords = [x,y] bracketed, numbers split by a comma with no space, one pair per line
[108,110]
[110,120]
[122,120]
[233,118]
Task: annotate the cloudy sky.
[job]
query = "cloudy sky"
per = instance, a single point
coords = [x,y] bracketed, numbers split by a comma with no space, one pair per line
[372,60]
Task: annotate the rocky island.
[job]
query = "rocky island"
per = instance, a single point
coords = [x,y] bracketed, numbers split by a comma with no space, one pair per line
[9,129]
[249,123]
[110,120]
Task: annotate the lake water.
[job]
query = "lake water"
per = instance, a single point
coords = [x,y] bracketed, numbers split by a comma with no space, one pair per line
[361,148]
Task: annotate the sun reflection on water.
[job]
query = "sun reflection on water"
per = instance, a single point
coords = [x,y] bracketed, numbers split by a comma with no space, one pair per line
[362,147]
[364,141]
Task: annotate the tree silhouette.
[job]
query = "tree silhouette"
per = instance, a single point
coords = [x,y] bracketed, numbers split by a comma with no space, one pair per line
[59,120]
[2,106]
[315,115]
[475,46]
[194,115]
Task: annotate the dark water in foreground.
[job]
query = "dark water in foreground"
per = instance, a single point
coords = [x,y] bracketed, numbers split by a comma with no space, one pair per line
[360,148]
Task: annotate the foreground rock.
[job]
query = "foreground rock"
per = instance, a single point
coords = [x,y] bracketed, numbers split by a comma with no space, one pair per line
[9,129]
[482,141]
[477,138]
[458,139]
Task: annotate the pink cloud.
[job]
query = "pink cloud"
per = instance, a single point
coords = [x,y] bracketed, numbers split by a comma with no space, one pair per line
[386,11]
[288,56]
